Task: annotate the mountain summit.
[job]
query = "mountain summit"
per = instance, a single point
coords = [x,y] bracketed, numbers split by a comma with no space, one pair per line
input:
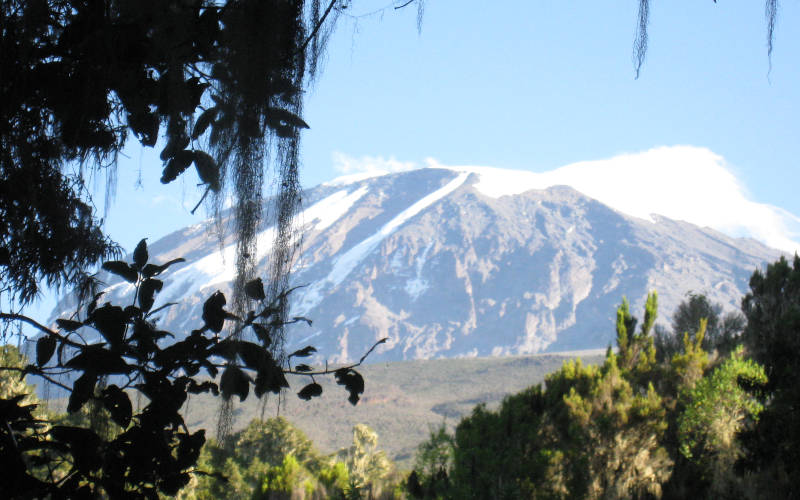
[443,267]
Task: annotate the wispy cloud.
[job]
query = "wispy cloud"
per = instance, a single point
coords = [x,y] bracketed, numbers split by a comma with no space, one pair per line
[680,182]
[346,164]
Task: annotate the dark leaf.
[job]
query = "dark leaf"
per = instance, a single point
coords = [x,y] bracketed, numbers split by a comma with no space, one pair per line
[176,143]
[140,255]
[352,381]
[144,336]
[85,447]
[270,378]
[255,289]
[302,368]
[121,269]
[304,352]
[176,166]
[92,305]
[211,369]
[68,324]
[110,322]
[262,333]
[253,355]
[280,117]
[213,313]
[218,99]
[118,404]
[302,318]
[147,292]
[5,256]
[173,483]
[145,126]
[192,347]
[207,169]
[234,381]
[189,448]
[132,312]
[203,121]
[75,436]
[206,386]
[82,390]
[151,270]
[249,126]
[310,391]
[283,131]
[45,347]
[102,361]
[226,348]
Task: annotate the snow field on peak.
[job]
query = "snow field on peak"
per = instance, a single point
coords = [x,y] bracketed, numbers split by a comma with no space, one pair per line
[346,262]
[330,209]
[219,267]
[685,183]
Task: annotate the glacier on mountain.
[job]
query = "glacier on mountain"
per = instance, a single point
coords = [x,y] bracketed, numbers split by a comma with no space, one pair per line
[444,263]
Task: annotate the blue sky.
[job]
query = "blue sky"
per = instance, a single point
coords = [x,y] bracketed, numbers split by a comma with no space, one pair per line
[535,85]
[529,85]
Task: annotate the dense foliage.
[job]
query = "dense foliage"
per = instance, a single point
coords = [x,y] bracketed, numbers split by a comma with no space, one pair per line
[701,420]
[274,459]
[216,80]
[119,350]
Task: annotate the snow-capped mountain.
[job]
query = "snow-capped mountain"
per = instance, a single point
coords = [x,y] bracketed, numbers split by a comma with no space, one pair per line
[444,264]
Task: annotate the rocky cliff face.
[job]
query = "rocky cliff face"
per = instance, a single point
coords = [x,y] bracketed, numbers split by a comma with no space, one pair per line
[442,269]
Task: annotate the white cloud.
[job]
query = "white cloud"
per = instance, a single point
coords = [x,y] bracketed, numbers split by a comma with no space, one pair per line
[366,166]
[680,182]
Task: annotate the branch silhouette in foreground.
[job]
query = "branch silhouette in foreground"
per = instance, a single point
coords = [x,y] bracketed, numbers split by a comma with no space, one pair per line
[117,352]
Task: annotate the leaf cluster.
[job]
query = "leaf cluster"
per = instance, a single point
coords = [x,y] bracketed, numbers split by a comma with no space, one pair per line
[628,428]
[152,452]
[80,76]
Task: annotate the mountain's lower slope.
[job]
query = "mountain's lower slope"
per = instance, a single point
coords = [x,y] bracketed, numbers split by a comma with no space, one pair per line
[402,401]
[443,270]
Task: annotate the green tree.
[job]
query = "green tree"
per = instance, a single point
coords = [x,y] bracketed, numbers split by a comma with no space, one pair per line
[247,457]
[636,351]
[335,478]
[722,331]
[498,454]
[717,409]
[11,383]
[622,426]
[593,432]
[690,364]
[433,460]
[282,481]
[772,336]
[369,469]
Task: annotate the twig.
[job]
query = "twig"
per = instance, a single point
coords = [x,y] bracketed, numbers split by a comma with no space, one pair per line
[376,344]
[38,326]
[201,200]
[168,304]
[328,371]
[37,372]
[317,26]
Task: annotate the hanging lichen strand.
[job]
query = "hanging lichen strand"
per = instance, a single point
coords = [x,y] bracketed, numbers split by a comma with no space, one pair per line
[771,13]
[643,19]
[640,42]
[258,105]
